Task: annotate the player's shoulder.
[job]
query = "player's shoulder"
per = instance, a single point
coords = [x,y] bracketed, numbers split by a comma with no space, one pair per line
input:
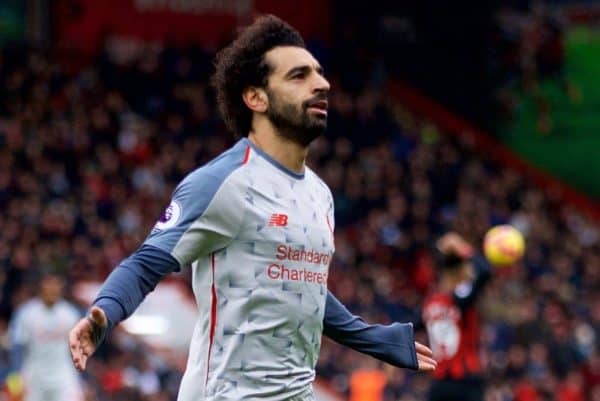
[221,166]
[209,178]
[319,183]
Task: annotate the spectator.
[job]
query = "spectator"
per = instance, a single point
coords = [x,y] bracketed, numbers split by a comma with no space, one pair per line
[39,345]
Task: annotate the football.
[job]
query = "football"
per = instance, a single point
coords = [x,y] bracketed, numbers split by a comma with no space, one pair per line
[503,245]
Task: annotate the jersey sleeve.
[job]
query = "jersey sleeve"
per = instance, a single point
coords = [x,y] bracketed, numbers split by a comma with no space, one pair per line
[205,213]
[128,284]
[393,343]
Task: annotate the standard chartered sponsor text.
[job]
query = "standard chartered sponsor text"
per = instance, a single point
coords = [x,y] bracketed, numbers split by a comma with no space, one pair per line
[286,252]
[277,271]
[316,260]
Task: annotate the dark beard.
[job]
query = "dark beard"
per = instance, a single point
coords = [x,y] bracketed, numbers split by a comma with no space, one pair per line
[296,125]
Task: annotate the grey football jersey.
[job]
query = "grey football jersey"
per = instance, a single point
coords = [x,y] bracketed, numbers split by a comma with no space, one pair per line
[259,239]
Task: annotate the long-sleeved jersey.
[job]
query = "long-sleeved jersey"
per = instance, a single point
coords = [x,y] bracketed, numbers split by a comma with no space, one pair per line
[259,238]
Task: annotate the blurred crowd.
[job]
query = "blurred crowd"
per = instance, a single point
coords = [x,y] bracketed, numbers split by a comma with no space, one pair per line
[88,160]
[528,47]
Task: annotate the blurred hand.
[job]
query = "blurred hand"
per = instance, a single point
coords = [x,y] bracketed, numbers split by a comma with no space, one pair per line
[453,243]
[425,358]
[85,337]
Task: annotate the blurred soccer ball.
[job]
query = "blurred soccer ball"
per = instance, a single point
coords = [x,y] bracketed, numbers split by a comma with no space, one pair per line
[503,245]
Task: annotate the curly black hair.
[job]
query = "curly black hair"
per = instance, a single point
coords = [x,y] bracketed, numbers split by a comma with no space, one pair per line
[242,64]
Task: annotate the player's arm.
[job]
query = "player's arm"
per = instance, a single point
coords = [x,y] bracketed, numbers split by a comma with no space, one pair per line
[203,216]
[130,282]
[453,249]
[393,343]
[466,294]
[120,295]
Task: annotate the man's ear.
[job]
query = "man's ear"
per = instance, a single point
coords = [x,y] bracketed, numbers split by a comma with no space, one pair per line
[256,99]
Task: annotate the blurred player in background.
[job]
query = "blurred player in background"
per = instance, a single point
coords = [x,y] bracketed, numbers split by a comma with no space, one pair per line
[257,226]
[450,317]
[39,347]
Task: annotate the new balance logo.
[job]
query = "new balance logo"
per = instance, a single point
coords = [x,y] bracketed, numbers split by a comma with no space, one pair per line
[278,220]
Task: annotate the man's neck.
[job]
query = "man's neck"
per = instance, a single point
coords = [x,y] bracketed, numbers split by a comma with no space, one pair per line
[288,153]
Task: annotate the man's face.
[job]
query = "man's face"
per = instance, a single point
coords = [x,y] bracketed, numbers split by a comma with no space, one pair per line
[297,94]
[51,289]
